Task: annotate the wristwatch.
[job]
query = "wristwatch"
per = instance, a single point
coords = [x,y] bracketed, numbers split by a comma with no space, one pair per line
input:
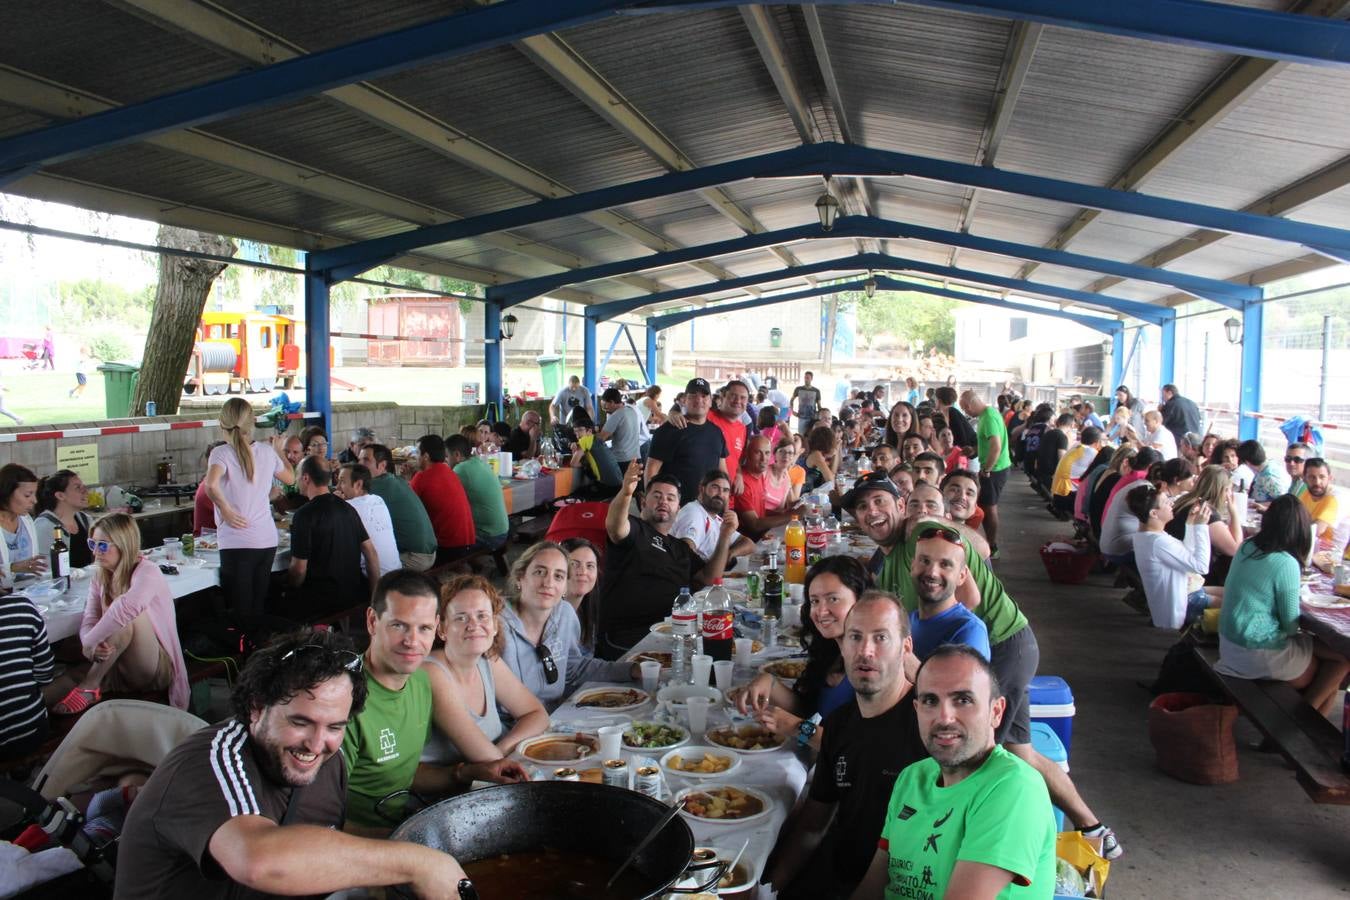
[806,729]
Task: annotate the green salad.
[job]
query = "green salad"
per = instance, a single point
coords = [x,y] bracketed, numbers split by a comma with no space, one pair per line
[650,735]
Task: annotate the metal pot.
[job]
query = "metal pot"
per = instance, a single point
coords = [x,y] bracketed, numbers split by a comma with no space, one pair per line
[598,819]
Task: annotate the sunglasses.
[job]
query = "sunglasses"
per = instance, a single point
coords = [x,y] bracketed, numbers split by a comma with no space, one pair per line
[346,658]
[100,546]
[550,667]
[942,534]
[1290,459]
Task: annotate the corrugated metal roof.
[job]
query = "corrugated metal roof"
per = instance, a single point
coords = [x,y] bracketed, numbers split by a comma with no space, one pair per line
[912,79]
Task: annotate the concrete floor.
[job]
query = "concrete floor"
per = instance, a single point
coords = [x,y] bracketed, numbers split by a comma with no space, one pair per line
[1260,837]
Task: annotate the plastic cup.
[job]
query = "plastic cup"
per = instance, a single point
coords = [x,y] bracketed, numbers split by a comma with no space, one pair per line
[792,615]
[741,652]
[795,592]
[698,713]
[611,741]
[651,675]
[702,669]
[722,674]
[173,549]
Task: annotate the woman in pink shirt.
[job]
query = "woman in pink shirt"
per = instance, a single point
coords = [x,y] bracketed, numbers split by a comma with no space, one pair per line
[238,480]
[129,633]
[781,487]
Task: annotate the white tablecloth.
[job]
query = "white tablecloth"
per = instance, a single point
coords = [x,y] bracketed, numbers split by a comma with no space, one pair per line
[63,613]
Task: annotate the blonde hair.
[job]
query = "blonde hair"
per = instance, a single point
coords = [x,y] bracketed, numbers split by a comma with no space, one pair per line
[121,531]
[236,420]
[522,565]
[461,583]
[1212,488]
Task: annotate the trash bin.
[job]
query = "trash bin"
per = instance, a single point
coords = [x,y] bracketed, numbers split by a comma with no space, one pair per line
[551,368]
[775,337]
[119,386]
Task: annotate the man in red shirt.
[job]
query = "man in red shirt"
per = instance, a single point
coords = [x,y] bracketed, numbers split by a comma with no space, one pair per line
[749,504]
[726,415]
[442,493]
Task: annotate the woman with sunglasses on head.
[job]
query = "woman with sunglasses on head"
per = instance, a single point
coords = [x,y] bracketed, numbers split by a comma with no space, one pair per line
[543,635]
[130,631]
[469,680]
[18,495]
[63,499]
[833,586]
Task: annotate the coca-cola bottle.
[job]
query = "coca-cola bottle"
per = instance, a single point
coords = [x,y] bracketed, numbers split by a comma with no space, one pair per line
[718,622]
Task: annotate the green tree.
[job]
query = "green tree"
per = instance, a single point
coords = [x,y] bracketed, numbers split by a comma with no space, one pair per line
[905,316]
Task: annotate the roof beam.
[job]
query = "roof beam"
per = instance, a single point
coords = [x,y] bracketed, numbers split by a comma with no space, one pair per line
[858,226]
[1106,326]
[1279,271]
[844,159]
[384,54]
[1231,90]
[1016,63]
[1280,203]
[1146,312]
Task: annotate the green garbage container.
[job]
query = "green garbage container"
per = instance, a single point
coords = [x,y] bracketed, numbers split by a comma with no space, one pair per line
[551,368]
[775,337]
[119,386]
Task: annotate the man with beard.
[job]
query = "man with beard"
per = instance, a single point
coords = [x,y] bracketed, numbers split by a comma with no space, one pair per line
[646,565]
[1013,651]
[825,852]
[972,821]
[384,741]
[961,493]
[700,523]
[1320,499]
[693,446]
[246,807]
[939,569]
[749,502]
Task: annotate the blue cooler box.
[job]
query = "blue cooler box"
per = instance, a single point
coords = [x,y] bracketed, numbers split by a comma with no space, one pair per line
[1047,743]
[1052,703]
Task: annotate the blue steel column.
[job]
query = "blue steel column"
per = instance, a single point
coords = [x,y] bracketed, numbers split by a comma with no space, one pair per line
[318,376]
[1117,360]
[651,353]
[492,359]
[1167,371]
[590,374]
[1249,400]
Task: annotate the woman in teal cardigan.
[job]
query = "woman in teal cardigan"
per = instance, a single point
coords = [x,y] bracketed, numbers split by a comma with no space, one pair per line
[1258,627]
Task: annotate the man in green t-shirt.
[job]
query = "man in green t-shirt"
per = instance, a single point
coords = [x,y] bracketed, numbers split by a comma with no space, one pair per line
[383,743]
[413,532]
[972,820]
[1014,653]
[991,437]
[484,490]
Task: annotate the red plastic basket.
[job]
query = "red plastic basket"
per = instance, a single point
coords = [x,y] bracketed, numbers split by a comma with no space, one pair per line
[1067,566]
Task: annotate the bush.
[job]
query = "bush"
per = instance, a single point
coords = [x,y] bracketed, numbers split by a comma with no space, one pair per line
[108,348]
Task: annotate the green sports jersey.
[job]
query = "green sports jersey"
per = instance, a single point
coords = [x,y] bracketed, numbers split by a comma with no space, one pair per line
[997,610]
[484,491]
[999,815]
[990,424]
[383,745]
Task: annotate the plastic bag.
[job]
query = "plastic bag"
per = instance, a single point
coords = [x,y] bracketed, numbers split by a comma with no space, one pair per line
[1086,859]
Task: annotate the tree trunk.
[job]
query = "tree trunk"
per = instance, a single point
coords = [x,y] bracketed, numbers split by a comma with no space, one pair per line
[180,297]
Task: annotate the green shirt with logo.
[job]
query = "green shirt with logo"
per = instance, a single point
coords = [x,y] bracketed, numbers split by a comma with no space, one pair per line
[999,815]
[997,610]
[990,425]
[383,744]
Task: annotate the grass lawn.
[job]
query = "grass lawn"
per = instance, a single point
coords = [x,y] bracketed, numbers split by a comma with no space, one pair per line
[41,398]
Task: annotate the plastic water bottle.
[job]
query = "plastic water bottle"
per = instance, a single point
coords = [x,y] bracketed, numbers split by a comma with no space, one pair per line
[683,621]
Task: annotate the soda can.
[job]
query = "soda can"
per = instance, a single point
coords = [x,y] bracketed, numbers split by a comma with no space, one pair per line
[566,773]
[187,544]
[648,781]
[150,407]
[615,772]
[769,631]
[752,588]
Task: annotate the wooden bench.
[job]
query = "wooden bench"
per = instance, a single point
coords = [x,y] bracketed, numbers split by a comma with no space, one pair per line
[1305,738]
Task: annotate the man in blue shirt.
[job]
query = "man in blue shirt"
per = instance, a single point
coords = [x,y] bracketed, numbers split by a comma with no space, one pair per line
[939,568]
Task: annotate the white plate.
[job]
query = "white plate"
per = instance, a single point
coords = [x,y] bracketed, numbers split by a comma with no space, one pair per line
[768,667]
[187,562]
[675,695]
[712,731]
[42,590]
[664,747]
[524,748]
[1325,601]
[661,629]
[762,797]
[697,752]
[577,700]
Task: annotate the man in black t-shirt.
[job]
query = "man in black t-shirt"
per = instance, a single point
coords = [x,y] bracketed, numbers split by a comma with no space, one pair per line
[328,541]
[690,451]
[645,566]
[253,806]
[963,433]
[1054,444]
[865,745]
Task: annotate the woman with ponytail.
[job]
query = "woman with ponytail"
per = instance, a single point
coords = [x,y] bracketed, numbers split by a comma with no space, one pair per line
[1118,523]
[239,477]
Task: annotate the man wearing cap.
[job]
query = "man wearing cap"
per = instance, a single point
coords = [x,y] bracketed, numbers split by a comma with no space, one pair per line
[574,396]
[622,429]
[687,451]
[359,438]
[728,413]
[1014,652]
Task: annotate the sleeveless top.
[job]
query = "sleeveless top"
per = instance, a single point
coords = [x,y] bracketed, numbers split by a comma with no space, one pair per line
[439,749]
